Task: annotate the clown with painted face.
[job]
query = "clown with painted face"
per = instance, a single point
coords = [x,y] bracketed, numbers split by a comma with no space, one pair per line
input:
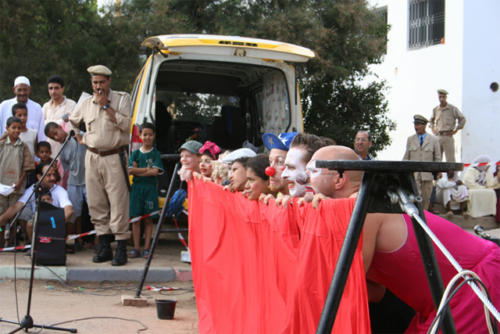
[295,171]
[278,147]
[301,150]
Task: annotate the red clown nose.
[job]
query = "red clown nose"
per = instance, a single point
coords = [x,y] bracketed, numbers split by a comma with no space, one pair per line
[270,171]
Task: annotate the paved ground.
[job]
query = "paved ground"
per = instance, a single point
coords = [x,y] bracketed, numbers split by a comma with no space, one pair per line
[54,302]
[165,266]
[59,296]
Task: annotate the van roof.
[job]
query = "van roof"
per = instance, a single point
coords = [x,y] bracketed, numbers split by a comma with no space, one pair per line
[229,46]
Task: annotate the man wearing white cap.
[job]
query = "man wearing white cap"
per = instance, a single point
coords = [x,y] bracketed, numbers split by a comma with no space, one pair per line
[107,121]
[22,90]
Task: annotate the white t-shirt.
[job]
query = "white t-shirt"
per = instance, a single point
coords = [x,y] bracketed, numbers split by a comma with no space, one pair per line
[35,116]
[29,138]
[60,197]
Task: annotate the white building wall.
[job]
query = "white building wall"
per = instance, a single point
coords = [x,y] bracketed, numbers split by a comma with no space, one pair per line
[413,76]
[481,61]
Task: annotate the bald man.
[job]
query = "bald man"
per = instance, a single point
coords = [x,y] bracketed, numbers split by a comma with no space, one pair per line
[392,257]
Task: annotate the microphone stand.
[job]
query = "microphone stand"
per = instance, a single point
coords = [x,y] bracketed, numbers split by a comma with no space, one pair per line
[27,322]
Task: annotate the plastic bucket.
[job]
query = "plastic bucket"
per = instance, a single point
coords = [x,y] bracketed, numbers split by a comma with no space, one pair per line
[165,308]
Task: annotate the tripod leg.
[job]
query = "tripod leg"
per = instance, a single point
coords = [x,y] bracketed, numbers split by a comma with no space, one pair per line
[157,233]
[27,323]
[346,256]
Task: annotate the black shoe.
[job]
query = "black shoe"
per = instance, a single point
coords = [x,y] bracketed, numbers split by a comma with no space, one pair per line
[120,254]
[104,253]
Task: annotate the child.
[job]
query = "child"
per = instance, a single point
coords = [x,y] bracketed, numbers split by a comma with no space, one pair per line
[72,159]
[42,154]
[44,151]
[209,153]
[190,159]
[257,179]
[46,197]
[16,160]
[145,164]
[28,136]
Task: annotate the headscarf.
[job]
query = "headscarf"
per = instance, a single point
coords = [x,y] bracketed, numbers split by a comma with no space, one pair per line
[481,163]
[211,147]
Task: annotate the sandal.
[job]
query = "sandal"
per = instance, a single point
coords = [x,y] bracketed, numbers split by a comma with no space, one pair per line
[145,253]
[133,253]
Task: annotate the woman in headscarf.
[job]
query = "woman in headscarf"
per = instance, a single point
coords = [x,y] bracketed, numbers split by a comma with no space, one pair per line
[480,181]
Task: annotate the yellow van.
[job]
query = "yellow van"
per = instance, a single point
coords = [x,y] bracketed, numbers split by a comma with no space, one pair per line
[226,89]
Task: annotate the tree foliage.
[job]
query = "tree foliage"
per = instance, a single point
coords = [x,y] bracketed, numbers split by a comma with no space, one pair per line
[40,38]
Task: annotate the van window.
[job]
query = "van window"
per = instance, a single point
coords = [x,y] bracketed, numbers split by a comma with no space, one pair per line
[224,102]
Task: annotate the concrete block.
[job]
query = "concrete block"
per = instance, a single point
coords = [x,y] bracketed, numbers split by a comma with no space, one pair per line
[128,300]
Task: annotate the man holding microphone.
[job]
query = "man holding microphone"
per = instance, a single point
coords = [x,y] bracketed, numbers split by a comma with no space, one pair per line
[107,122]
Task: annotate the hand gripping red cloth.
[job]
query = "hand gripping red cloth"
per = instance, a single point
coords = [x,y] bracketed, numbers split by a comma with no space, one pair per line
[266,269]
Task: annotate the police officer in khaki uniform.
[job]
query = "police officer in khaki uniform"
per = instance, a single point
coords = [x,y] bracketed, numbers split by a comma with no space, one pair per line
[107,122]
[423,146]
[446,120]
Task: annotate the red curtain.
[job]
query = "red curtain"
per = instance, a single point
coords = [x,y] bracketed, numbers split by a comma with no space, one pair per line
[265,269]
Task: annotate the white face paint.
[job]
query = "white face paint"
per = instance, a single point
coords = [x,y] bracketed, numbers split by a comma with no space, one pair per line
[295,172]
[312,171]
[319,179]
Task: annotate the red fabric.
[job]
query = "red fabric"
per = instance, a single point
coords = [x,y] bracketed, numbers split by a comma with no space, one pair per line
[266,269]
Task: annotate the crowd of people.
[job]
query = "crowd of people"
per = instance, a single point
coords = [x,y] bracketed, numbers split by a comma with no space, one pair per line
[26,153]
[474,192]
[94,169]
[287,175]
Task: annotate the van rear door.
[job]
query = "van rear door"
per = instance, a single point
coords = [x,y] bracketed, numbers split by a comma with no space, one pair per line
[224,88]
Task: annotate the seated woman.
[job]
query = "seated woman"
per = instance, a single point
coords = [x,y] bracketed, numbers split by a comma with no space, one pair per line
[480,181]
[257,179]
[209,152]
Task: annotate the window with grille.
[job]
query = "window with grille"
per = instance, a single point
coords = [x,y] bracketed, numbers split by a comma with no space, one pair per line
[426,23]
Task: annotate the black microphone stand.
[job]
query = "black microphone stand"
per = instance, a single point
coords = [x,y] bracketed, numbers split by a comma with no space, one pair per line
[27,322]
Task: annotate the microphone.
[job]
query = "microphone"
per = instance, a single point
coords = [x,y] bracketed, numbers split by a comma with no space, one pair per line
[72,133]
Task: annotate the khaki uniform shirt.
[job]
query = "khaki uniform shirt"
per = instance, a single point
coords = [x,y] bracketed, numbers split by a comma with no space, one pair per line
[446,119]
[429,151]
[102,133]
[15,158]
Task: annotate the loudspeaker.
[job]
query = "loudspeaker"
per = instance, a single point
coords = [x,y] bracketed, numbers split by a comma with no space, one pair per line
[50,244]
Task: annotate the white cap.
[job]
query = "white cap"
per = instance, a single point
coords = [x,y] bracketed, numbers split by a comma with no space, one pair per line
[237,154]
[22,80]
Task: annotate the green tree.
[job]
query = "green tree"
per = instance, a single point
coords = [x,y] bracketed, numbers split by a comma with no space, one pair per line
[345,34]
[41,38]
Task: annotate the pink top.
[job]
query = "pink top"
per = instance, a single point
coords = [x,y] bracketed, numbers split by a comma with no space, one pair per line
[403,273]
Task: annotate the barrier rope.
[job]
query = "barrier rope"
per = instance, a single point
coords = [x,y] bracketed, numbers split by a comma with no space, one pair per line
[483,164]
[45,239]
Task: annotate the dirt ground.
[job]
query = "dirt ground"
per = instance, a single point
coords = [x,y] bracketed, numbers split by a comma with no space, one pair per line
[100,305]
